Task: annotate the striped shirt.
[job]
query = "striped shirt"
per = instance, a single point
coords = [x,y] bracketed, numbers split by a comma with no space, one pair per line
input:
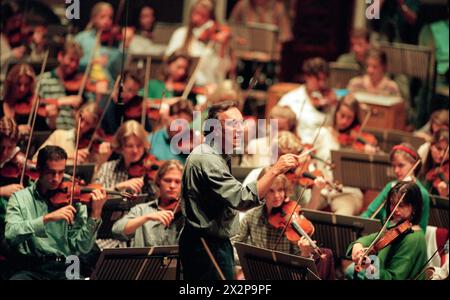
[112,173]
[52,87]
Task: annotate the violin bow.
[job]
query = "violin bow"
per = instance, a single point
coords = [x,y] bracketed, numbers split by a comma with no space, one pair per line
[440,166]
[87,71]
[382,230]
[32,117]
[99,122]
[213,260]
[384,202]
[297,203]
[122,68]
[146,85]
[35,100]
[75,161]
[425,265]
[191,82]
[363,125]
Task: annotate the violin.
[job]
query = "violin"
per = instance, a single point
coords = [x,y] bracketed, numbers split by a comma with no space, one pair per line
[24,107]
[82,193]
[11,170]
[179,87]
[289,217]
[213,32]
[323,99]
[357,139]
[437,175]
[147,166]
[385,240]
[73,84]
[172,205]
[306,179]
[111,37]
[93,139]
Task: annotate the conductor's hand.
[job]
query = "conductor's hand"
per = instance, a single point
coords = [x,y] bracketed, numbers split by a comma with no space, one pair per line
[285,163]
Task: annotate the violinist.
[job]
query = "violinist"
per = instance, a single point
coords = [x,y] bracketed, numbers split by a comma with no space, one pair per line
[435,170]
[66,139]
[256,230]
[403,157]
[130,142]
[18,97]
[63,84]
[313,101]
[401,256]
[132,104]
[172,77]
[106,63]
[11,35]
[44,235]
[180,115]
[259,150]
[194,38]
[142,40]
[156,223]
[264,12]
[439,120]
[9,157]
[375,81]
[289,143]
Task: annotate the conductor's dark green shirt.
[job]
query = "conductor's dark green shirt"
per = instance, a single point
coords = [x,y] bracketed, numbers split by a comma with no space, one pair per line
[211,196]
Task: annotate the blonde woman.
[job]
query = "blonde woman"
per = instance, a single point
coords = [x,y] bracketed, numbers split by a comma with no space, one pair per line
[130,142]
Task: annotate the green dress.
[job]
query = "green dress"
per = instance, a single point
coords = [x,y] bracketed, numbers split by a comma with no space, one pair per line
[382,196]
[402,259]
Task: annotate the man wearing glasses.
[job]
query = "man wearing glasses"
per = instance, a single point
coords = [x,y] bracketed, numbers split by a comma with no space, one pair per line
[212,197]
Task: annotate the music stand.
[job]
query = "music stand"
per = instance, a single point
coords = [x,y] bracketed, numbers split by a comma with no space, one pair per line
[337,232]
[84,171]
[263,264]
[152,263]
[39,137]
[367,171]
[439,207]
[387,138]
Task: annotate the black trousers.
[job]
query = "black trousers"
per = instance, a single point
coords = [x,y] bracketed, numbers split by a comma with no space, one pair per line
[196,263]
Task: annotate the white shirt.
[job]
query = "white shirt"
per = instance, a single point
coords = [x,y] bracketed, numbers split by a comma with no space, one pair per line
[310,119]
[213,67]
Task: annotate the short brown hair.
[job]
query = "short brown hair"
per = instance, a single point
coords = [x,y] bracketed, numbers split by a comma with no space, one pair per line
[378,54]
[70,46]
[181,106]
[315,66]
[361,33]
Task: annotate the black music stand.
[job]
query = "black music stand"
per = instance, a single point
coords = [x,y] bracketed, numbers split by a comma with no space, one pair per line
[337,232]
[84,171]
[39,137]
[263,264]
[152,263]
[362,170]
[439,207]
